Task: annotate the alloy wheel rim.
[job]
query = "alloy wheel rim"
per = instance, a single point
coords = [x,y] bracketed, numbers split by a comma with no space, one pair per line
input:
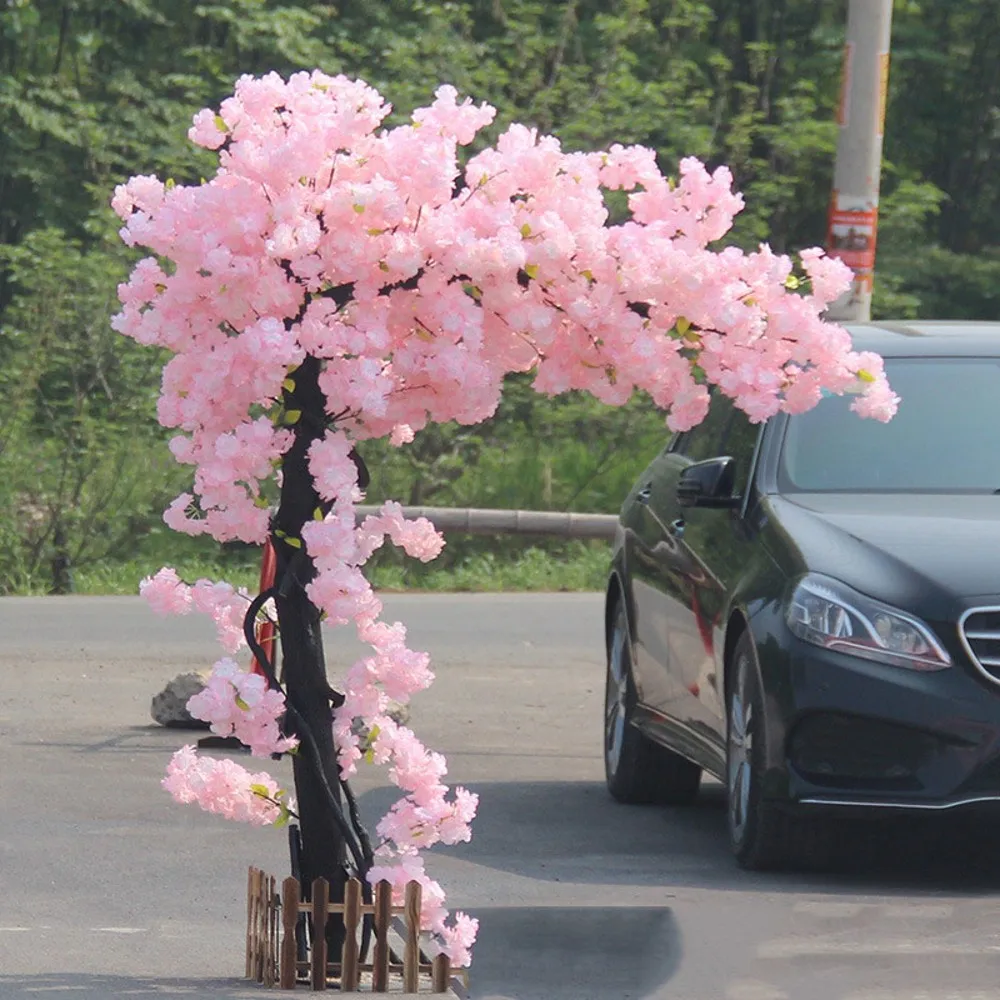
[739,754]
[615,700]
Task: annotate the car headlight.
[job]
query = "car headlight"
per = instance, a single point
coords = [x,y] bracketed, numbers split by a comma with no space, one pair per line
[832,615]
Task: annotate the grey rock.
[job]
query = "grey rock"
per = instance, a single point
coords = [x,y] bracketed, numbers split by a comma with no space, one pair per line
[169,707]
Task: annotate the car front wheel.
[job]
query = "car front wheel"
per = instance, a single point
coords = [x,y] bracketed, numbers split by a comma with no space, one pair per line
[637,770]
[763,836]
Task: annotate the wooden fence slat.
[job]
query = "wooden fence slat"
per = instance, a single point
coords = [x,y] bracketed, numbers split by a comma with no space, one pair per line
[275,932]
[383,916]
[411,952]
[320,901]
[267,911]
[248,974]
[264,927]
[440,973]
[270,928]
[289,944]
[258,937]
[262,916]
[352,916]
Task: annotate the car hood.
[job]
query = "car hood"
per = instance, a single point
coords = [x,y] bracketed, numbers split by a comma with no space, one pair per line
[928,553]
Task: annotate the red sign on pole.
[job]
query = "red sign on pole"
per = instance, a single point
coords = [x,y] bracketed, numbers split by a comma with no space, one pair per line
[851,236]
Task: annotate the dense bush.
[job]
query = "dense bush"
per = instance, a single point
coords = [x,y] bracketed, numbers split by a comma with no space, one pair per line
[91,93]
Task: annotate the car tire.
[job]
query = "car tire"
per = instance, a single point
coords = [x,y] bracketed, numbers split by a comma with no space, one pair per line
[763,835]
[638,771]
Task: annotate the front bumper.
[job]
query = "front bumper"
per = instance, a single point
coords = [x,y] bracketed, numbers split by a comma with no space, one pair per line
[848,734]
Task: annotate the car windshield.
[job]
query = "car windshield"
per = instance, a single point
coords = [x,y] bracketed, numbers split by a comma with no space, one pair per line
[944,439]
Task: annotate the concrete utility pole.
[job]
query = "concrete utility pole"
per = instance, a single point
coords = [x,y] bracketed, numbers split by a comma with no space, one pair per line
[853,218]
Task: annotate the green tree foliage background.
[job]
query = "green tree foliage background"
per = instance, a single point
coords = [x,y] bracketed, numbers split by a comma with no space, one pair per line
[93,91]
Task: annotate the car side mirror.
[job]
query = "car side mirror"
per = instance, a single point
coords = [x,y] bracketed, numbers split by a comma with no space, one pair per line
[709,484]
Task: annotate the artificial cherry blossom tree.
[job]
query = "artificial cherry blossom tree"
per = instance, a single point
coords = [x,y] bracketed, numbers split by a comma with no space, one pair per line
[335,281]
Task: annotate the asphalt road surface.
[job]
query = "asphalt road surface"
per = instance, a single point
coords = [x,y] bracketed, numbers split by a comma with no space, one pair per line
[107,889]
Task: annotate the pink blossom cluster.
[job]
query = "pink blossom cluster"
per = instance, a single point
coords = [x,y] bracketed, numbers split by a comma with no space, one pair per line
[241,704]
[455,938]
[518,271]
[223,787]
[230,468]
[425,816]
[167,594]
[418,284]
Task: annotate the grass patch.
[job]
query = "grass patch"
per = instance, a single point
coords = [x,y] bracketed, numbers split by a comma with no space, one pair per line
[123,578]
[584,568]
[577,566]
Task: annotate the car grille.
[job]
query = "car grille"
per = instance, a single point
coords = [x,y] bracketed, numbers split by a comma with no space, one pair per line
[980,634]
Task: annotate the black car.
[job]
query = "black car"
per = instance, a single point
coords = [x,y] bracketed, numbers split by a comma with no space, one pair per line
[809,610]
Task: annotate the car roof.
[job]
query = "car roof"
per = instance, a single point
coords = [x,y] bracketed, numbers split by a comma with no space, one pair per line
[927,338]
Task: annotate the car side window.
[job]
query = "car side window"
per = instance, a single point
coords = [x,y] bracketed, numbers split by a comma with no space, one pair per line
[725,430]
[702,441]
[739,442]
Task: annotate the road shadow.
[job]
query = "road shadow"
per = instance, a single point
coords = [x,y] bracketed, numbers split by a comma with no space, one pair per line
[83,986]
[574,832]
[523,953]
[573,953]
[129,740]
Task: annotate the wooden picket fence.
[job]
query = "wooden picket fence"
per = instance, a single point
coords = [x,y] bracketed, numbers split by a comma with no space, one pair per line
[276,956]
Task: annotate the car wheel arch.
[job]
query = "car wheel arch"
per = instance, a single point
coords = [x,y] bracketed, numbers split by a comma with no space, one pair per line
[735,628]
[614,596]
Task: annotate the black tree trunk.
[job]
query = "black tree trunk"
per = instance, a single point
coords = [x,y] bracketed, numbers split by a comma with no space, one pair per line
[324,851]
[62,567]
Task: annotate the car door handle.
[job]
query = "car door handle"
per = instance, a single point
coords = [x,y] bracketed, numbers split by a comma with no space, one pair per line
[645,493]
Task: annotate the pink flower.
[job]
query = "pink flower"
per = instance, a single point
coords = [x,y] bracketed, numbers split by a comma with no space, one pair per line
[449,117]
[401,434]
[227,608]
[459,938]
[830,276]
[222,787]
[417,537]
[176,516]
[238,703]
[878,401]
[166,593]
[332,467]
[208,130]
[456,939]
